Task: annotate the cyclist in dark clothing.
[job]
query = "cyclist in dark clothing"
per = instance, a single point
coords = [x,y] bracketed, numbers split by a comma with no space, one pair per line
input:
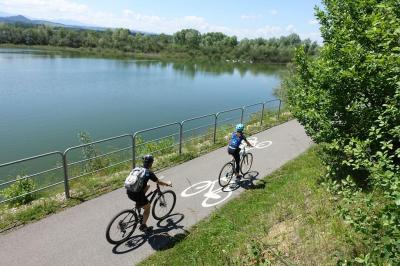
[140,197]
[234,146]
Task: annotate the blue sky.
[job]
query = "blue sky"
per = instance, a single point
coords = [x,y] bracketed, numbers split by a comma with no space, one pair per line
[245,19]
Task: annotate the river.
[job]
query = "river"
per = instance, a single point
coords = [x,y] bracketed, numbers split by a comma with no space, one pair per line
[47,98]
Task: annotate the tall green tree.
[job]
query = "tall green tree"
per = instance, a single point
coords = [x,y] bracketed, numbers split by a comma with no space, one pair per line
[349,99]
[188,37]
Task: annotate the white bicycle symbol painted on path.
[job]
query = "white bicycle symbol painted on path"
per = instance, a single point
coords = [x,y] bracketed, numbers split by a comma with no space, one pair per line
[215,196]
[257,145]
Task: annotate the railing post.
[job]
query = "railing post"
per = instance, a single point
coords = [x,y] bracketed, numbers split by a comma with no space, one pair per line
[279,111]
[134,151]
[66,181]
[215,127]
[262,114]
[241,118]
[180,136]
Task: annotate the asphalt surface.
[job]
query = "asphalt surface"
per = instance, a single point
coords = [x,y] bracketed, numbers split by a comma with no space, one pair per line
[76,236]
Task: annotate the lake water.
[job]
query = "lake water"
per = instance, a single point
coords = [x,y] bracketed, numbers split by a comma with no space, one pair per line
[46,99]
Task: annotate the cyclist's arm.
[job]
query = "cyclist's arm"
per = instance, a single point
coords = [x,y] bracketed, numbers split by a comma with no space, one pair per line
[164,183]
[247,142]
[158,181]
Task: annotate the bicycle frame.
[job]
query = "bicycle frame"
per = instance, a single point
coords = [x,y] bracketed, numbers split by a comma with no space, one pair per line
[153,194]
[243,153]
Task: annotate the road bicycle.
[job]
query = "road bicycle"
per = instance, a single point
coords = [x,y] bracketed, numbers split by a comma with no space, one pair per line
[122,225]
[227,172]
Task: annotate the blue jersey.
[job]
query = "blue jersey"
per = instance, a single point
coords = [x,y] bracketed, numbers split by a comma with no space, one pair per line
[236,140]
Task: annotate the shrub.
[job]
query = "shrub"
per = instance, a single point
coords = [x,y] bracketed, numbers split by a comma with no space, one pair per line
[20,189]
[90,153]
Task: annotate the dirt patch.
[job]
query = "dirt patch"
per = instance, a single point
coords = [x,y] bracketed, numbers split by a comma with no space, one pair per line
[283,236]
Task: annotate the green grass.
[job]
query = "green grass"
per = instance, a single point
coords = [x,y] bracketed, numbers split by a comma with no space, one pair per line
[288,220]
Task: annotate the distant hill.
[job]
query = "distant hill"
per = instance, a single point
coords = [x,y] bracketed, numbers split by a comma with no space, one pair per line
[19,19]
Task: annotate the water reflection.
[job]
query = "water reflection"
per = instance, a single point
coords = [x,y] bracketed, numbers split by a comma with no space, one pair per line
[189,68]
[192,68]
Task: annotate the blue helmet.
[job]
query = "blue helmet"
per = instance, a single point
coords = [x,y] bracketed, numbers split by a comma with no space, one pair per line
[239,127]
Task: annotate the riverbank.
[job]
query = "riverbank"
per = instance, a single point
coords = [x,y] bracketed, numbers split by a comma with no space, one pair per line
[118,54]
[93,52]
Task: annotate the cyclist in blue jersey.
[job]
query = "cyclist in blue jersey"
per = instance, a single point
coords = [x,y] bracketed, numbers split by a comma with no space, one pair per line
[234,146]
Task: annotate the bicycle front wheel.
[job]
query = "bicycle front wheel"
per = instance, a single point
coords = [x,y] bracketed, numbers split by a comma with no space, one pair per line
[164,204]
[246,163]
[121,227]
[226,174]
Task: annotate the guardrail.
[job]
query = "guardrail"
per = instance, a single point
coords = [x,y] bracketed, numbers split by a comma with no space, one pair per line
[178,138]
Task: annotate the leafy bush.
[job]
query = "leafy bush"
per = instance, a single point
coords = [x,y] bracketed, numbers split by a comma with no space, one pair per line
[349,99]
[90,153]
[158,147]
[20,189]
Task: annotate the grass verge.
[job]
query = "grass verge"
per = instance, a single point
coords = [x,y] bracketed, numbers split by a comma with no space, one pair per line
[288,220]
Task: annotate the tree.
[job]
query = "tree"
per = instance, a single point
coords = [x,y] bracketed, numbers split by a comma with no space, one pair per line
[187,37]
[349,99]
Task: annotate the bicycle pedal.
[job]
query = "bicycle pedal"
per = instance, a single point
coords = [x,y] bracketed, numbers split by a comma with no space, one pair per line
[146,229]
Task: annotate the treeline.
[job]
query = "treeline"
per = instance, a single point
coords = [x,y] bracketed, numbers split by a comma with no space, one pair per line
[187,42]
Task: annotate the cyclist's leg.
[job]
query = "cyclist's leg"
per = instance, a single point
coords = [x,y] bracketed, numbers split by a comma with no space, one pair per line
[141,202]
[236,156]
[144,203]
[146,213]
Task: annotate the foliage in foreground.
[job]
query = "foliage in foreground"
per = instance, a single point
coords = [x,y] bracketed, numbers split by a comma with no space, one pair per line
[349,99]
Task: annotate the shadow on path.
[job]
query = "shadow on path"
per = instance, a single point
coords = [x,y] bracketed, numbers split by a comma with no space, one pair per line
[159,238]
[248,181]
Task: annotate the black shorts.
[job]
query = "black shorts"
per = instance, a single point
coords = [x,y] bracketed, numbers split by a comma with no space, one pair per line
[138,197]
[233,151]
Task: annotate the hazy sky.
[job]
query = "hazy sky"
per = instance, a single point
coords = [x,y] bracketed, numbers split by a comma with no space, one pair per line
[245,19]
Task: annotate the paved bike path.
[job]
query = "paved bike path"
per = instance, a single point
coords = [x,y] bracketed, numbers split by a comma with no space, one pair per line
[76,236]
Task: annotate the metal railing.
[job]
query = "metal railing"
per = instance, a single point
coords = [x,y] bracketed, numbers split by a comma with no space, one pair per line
[178,137]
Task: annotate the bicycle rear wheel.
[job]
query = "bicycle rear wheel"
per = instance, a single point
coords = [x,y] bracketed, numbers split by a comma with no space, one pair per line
[246,163]
[226,174]
[164,204]
[122,226]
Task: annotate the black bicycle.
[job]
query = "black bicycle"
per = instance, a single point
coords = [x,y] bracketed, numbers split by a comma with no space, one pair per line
[122,226]
[228,170]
